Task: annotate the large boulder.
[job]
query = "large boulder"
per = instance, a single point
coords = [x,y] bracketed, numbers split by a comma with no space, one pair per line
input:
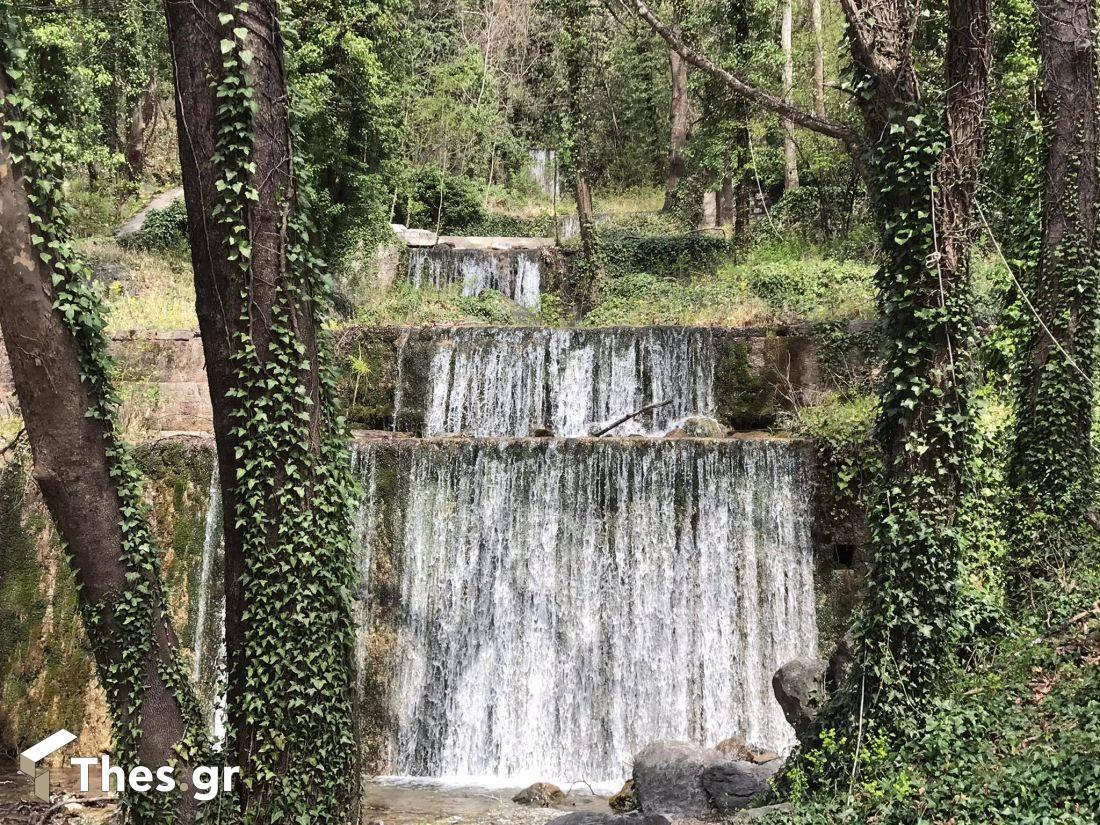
[668,778]
[799,687]
[589,818]
[730,786]
[683,780]
[541,794]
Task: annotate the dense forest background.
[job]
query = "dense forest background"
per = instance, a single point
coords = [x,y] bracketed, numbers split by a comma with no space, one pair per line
[930,169]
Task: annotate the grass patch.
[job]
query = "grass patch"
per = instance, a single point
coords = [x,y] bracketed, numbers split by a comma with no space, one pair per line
[407,306]
[142,290]
[751,293]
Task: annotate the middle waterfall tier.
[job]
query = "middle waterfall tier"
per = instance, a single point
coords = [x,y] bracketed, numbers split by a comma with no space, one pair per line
[568,382]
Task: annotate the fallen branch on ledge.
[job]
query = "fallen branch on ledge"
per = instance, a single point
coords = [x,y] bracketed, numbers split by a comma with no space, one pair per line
[626,418]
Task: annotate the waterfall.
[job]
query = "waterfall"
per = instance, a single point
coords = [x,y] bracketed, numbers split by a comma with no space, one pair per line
[563,603]
[496,381]
[515,273]
[209,673]
[544,169]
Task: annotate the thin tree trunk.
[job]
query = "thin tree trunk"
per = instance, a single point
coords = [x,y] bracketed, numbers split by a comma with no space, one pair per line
[1052,463]
[819,58]
[790,150]
[141,116]
[75,475]
[679,121]
[245,329]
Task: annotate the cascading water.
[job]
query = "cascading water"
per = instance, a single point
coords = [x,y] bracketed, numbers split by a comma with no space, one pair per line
[209,674]
[563,603]
[515,273]
[488,382]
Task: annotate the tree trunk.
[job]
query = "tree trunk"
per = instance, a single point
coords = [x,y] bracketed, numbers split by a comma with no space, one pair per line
[790,150]
[819,58]
[1051,467]
[724,201]
[79,484]
[141,116]
[286,589]
[679,121]
[924,199]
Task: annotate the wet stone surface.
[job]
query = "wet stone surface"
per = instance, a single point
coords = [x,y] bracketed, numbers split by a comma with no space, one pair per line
[413,805]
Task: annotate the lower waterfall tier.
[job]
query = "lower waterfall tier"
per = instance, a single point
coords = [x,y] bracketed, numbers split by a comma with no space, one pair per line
[543,609]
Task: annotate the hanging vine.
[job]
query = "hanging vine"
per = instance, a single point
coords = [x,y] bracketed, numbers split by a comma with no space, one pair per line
[123,650]
[292,498]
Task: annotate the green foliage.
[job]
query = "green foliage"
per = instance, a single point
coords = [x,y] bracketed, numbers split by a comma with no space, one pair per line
[345,70]
[1013,740]
[909,628]
[164,230]
[765,288]
[406,305]
[434,200]
[292,499]
[671,256]
[124,649]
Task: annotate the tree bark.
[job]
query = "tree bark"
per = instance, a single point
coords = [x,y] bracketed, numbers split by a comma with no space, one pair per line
[238,314]
[1051,467]
[71,465]
[790,150]
[141,117]
[819,58]
[679,121]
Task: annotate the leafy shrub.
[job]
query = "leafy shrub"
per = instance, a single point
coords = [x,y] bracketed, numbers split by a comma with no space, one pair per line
[673,256]
[512,226]
[163,230]
[419,203]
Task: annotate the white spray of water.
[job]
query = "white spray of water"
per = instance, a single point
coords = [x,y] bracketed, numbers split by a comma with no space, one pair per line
[494,381]
[565,603]
[209,648]
[514,273]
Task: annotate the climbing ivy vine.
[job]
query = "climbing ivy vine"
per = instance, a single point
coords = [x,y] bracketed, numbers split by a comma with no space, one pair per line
[122,650]
[909,626]
[292,499]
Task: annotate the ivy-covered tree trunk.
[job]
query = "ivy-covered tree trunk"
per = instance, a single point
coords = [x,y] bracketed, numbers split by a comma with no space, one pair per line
[1052,463]
[282,451]
[53,330]
[924,170]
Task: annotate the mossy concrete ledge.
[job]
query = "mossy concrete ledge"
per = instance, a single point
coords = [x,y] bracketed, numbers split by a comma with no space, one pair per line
[47,675]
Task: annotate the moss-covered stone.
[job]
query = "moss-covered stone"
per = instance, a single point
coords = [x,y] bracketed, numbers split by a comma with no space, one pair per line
[47,675]
[744,400]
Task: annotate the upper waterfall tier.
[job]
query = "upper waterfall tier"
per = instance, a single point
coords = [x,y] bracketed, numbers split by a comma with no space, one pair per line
[572,382]
[515,273]
[549,607]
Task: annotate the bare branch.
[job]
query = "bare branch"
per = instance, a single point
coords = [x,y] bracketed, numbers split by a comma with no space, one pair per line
[845,134]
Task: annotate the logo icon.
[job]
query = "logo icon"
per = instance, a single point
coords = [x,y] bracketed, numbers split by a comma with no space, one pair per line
[29,759]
